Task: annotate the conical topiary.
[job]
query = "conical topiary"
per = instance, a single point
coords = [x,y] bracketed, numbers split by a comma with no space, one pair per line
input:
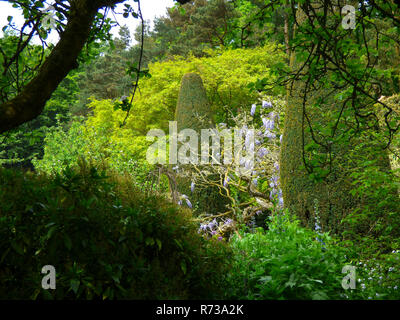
[193,109]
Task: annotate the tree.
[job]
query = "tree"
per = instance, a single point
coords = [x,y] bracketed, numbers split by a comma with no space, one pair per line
[105,77]
[332,129]
[84,23]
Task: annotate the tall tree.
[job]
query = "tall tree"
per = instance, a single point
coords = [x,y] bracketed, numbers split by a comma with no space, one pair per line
[332,128]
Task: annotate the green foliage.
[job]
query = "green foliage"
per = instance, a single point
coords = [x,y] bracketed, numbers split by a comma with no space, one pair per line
[286,262]
[378,278]
[20,146]
[377,221]
[193,110]
[17,70]
[211,24]
[66,147]
[102,140]
[105,239]
[225,74]
[332,132]
[105,77]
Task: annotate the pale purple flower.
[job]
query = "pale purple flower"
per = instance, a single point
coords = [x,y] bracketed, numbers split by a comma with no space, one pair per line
[255,181]
[266,104]
[273,115]
[249,164]
[189,204]
[228,222]
[264,121]
[269,124]
[280,198]
[226,181]
[192,185]
[253,109]
[262,152]
[269,134]
[203,228]
[251,147]
[249,137]
[243,130]
[213,224]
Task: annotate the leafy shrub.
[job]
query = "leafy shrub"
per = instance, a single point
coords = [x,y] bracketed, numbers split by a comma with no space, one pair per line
[105,240]
[286,262]
[377,278]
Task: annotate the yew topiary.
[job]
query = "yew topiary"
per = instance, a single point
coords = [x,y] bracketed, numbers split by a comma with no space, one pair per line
[193,110]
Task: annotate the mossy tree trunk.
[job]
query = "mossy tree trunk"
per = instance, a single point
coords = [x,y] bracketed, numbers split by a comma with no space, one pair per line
[326,191]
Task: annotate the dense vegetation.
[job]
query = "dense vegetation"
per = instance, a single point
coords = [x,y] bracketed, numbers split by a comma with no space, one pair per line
[316,189]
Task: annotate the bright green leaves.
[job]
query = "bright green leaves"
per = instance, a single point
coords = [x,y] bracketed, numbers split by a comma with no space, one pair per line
[286,262]
[123,105]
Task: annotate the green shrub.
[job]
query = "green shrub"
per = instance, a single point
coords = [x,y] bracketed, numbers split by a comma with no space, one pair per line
[286,262]
[105,240]
[378,278]
[193,110]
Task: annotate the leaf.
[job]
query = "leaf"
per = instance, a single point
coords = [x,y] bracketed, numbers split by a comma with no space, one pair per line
[178,244]
[319,295]
[74,283]
[9,18]
[115,278]
[67,242]
[292,282]
[183,266]
[265,279]
[149,241]
[51,231]
[159,243]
